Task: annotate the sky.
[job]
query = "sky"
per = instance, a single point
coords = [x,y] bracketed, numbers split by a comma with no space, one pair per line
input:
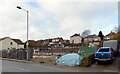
[57,18]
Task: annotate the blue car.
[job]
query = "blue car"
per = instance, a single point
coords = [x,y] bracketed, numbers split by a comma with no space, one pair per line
[105,54]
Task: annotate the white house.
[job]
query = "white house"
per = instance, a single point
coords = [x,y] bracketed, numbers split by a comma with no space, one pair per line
[8,42]
[92,38]
[76,39]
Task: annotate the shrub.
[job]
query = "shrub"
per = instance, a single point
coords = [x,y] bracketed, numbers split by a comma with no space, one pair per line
[87,60]
[13,49]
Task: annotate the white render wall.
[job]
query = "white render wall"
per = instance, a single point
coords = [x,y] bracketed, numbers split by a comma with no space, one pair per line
[0,45]
[6,43]
[77,39]
[20,46]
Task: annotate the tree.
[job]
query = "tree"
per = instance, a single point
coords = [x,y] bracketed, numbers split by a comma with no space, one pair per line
[32,43]
[25,45]
[85,33]
[114,37]
[117,35]
[101,35]
[116,29]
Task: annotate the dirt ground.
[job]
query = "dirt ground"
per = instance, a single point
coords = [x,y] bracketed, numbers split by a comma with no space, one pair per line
[46,59]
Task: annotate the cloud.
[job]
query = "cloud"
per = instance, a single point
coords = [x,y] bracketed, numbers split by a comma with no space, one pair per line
[48,19]
[77,16]
[10,23]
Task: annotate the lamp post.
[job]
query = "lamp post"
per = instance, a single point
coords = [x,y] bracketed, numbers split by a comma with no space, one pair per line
[27,28]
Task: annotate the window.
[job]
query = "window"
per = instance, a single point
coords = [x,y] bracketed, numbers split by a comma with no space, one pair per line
[11,43]
[104,50]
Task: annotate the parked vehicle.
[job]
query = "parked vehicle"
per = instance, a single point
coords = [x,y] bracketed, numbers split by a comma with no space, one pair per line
[112,44]
[105,54]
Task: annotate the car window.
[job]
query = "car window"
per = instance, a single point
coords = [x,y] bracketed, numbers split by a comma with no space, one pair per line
[104,50]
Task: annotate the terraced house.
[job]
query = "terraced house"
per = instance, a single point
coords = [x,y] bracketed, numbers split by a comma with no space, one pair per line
[92,38]
[57,42]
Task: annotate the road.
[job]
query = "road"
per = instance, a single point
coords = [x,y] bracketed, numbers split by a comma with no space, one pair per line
[10,66]
[108,66]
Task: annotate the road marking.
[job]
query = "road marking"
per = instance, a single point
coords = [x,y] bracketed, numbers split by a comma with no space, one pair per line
[19,68]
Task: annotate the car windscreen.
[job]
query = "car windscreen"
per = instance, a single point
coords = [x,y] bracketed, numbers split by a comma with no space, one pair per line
[104,50]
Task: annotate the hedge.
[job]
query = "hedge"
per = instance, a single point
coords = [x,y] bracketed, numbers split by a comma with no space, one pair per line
[87,60]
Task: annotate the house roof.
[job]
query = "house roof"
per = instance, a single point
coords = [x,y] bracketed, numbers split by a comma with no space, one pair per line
[111,33]
[3,38]
[91,36]
[49,40]
[18,41]
[46,40]
[75,35]
[58,38]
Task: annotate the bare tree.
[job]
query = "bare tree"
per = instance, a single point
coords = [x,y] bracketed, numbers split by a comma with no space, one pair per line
[85,33]
[116,29]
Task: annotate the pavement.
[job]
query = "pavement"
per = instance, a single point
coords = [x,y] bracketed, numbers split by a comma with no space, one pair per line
[13,65]
[16,60]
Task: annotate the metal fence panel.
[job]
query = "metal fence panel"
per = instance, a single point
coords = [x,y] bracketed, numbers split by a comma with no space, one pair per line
[16,54]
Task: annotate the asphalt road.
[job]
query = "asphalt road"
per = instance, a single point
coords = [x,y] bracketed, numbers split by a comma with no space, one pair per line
[10,66]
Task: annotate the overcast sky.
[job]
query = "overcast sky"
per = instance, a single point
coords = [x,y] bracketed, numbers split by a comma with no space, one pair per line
[57,18]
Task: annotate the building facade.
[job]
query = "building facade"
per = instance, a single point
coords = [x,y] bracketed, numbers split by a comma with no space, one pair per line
[92,38]
[75,39]
[57,42]
[9,43]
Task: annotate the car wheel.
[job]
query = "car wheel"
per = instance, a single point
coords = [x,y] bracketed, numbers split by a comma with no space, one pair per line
[98,62]
[111,61]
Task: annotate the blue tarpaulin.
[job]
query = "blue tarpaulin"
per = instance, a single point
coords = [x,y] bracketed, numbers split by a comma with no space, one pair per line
[70,59]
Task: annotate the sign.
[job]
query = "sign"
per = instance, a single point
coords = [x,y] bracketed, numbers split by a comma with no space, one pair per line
[27,43]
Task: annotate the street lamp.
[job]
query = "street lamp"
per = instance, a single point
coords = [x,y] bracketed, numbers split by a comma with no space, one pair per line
[27,28]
